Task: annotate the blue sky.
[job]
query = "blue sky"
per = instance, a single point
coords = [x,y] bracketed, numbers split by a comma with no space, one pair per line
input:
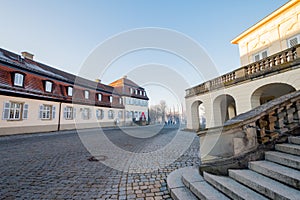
[63,33]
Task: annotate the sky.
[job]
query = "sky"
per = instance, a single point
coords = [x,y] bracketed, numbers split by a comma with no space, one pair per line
[65,33]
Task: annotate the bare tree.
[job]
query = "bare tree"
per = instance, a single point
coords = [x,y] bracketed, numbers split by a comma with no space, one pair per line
[163,107]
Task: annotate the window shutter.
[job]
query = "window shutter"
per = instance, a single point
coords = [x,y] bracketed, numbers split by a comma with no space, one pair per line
[97,114]
[25,111]
[41,111]
[90,113]
[65,112]
[6,107]
[53,112]
[74,113]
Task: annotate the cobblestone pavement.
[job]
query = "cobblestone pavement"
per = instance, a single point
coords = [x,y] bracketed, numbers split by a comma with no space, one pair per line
[56,166]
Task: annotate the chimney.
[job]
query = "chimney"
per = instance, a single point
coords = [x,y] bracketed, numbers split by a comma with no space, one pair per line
[27,55]
[98,80]
[125,76]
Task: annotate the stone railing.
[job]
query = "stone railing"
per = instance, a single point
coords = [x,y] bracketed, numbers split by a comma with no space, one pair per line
[274,63]
[247,136]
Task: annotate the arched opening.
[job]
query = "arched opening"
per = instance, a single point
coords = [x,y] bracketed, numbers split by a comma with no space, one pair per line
[269,92]
[224,109]
[198,117]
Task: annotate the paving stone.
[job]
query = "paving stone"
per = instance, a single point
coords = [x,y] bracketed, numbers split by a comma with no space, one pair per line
[56,166]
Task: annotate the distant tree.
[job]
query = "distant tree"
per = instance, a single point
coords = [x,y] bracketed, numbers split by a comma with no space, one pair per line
[163,107]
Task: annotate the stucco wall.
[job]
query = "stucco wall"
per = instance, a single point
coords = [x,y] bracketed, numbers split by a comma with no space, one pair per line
[241,93]
[272,35]
[34,124]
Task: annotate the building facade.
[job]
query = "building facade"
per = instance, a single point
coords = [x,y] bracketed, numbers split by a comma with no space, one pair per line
[270,58]
[38,98]
[278,31]
[135,101]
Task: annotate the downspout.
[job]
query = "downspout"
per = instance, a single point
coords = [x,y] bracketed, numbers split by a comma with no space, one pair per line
[59,114]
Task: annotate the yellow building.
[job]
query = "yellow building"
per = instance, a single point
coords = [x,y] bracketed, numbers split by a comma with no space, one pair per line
[276,32]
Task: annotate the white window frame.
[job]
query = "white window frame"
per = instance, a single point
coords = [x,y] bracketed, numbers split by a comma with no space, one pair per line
[111,114]
[297,37]
[110,99]
[100,114]
[69,113]
[47,112]
[120,100]
[48,86]
[99,97]
[18,79]
[14,111]
[86,94]
[70,91]
[86,114]
[120,114]
[260,55]
[131,91]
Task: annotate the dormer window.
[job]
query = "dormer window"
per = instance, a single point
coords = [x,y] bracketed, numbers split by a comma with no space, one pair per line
[70,91]
[136,92]
[144,93]
[48,86]
[110,99]
[99,97]
[18,79]
[120,101]
[131,91]
[86,94]
[141,92]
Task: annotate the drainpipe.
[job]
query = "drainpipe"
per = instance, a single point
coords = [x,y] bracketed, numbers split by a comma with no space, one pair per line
[59,114]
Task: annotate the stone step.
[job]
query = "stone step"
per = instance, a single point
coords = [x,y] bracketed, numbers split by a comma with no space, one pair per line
[264,185]
[176,187]
[294,140]
[231,188]
[288,148]
[281,173]
[199,187]
[283,159]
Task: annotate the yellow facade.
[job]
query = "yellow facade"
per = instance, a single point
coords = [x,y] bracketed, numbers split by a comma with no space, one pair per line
[271,35]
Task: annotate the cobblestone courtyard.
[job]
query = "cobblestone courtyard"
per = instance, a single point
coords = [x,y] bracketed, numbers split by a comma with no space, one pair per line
[56,166]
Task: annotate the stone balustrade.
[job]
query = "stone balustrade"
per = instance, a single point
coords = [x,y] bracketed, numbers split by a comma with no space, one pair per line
[273,63]
[262,125]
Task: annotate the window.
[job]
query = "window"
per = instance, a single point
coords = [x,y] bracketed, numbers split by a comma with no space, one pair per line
[111,114]
[110,99]
[15,111]
[100,114]
[136,92]
[293,41]
[144,93]
[127,114]
[86,113]
[120,114]
[120,100]
[141,92]
[47,112]
[86,94]
[131,91]
[48,86]
[70,91]
[18,79]
[260,55]
[69,113]
[99,97]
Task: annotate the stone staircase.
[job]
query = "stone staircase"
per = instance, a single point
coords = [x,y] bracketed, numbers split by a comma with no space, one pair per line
[276,177]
